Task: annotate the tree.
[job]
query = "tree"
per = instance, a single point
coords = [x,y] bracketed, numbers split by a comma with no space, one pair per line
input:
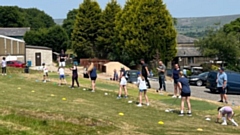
[234,26]
[54,37]
[11,17]
[86,26]
[68,23]
[106,32]
[144,28]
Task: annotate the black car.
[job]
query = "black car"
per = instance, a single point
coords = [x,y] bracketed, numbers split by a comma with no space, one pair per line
[132,76]
[199,80]
[233,83]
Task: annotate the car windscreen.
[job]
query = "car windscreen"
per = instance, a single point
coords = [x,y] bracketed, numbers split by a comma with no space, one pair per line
[133,74]
[202,74]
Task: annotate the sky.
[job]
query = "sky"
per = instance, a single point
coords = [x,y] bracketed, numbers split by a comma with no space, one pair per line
[58,9]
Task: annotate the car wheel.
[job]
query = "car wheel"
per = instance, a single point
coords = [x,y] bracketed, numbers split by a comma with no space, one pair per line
[199,83]
[213,91]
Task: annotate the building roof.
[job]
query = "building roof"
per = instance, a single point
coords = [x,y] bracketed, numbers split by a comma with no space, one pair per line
[188,51]
[14,31]
[182,39]
[38,47]
[15,39]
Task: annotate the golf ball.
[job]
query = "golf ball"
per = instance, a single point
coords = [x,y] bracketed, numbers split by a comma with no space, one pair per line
[167,110]
[106,93]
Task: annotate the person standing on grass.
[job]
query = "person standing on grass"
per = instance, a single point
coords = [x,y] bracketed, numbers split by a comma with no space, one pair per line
[184,87]
[62,59]
[45,72]
[226,110]
[161,71]
[4,66]
[123,84]
[142,89]
[93,77]
[115,75]
[61,75]
[74,75]
[175,77]
[222,84]
[145,72]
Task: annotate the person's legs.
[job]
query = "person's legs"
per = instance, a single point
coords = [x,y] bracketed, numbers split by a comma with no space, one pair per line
[230,118]
[220,89]
[160,83]
[163,82]
[182,105]
[225,95]
[140,99]
[93,85]
[76,78]
[189,105]
[175,90]
[120,91]
[147,81]
[72,81]
[146,97]
[125,91]
[4,70]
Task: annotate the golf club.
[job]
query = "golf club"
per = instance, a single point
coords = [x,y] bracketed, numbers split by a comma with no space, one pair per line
[171,110]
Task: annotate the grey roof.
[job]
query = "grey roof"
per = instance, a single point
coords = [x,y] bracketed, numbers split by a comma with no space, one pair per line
[38,47]
[182,39]
[14,31]
[188,51]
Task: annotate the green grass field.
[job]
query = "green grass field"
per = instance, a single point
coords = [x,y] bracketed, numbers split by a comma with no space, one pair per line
[30,107]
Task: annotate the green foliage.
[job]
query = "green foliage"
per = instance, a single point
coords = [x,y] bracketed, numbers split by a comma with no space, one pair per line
[189,73]
[68,23]
[54,37]
[143,28]
[106,33]
[86,26]
[13,16]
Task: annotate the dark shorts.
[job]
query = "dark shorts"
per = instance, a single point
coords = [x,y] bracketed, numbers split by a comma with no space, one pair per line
[221,90]
[175,81]
[185,94]
[142,90]
[93,78]
[61,76]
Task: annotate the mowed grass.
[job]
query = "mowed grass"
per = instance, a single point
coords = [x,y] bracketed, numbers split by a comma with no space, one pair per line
[30,107]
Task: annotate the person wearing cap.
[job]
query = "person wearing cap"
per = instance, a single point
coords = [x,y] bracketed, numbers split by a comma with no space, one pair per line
[222,84]
[142,89]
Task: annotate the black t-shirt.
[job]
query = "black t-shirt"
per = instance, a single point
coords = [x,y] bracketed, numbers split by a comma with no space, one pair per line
[123,72]
[74,71]
[62,57]
[144,71]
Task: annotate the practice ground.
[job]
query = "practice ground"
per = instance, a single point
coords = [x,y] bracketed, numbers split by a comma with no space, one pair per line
[30,107]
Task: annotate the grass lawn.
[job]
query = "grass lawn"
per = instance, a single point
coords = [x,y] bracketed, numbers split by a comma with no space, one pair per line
[30,107]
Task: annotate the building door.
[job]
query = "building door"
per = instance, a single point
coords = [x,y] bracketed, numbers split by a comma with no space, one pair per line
[38,59]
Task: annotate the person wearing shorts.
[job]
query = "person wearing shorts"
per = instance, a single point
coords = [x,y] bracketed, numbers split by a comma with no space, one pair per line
[74,76]
[61,75]
[93,77]
[123,83]
[185,90]
[62,59]
[4,66]
[175,77]
[222,84]
[226,111]
[142,89]
[45,72]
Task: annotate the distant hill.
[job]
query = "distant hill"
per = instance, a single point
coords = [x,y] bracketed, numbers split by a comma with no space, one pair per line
[195,26]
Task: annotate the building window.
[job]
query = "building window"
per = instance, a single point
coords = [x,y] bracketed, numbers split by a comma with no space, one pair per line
[190,60]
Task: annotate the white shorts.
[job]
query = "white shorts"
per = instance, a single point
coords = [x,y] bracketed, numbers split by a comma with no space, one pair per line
[62,64]
[123,81]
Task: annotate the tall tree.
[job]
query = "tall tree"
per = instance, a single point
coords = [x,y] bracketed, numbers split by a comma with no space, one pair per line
[86,26]
[145,27]
[11,17]
[68,23]
[106,33]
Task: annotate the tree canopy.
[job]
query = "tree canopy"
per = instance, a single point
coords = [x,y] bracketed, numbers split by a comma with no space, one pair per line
[68,23]
[85,32]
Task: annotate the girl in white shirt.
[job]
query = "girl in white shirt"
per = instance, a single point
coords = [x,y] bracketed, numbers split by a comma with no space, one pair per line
[142,89]
[61,75]
[4,65]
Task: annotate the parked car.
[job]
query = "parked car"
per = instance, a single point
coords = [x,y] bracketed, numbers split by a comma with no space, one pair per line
[15,63]
[132,76]
[233,83]
[169,72]
[198,80]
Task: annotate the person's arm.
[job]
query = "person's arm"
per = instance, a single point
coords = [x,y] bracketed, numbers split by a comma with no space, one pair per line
[180,86]
[147,70]
[164,68]
[225,82]
[219,116]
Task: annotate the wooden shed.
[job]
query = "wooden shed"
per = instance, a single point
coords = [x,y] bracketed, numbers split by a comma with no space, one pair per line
[109,67]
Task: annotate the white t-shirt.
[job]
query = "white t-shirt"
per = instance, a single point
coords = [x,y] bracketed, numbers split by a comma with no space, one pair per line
[61,71]
[45,69]
[4,63]
[141,84]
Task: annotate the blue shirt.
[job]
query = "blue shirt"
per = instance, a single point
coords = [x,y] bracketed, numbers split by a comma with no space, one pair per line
[176,74]
[185,85]
[93,73]
[221,77]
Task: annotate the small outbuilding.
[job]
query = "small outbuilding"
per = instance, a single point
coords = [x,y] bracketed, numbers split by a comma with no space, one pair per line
[36,55]
[109,67]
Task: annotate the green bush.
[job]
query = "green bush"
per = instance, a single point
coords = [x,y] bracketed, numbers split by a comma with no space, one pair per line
[189,73]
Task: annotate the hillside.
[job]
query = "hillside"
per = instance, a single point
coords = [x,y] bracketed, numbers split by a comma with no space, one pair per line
[195,26]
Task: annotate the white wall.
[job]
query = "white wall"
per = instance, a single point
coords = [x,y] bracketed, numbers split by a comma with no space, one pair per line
[46,56]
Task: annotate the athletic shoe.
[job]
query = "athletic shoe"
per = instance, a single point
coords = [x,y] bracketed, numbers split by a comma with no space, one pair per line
[181,114]
[189,114]
[174,96]
[220,101]
[93,91]
[224,123]
[139,105]
[226,102]
[148,104]
[125,96]
[118,97]
[179,96]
